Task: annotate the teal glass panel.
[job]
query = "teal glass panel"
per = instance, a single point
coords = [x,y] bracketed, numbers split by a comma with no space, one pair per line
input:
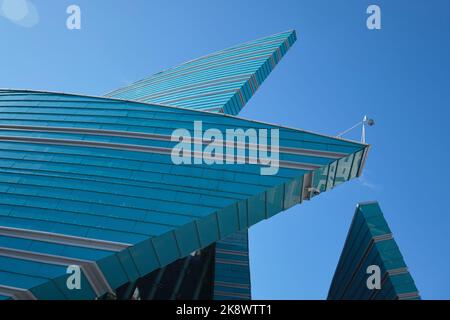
[320,178]
[343,170]
[331,174]
[356,163]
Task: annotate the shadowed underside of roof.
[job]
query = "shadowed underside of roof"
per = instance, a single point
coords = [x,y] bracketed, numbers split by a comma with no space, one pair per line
[223,81]
[88,181]
[370,242]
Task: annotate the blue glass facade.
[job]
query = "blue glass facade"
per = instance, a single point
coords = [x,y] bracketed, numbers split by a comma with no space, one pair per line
[221,82]
[370,243]
[89,181]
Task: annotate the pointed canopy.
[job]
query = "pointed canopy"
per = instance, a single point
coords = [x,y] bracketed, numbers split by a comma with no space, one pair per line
[222,81]
[89,181]
[370,243]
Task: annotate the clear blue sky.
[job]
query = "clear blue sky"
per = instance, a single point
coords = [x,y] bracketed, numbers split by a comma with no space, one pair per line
[336,72]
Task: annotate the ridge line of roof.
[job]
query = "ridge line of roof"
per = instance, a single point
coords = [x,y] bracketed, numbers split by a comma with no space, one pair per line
[180,108]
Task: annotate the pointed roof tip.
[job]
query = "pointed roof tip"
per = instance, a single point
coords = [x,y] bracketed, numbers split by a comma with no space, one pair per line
[295,33]
[364,203]
[285,31]
[209,81]
[290,31]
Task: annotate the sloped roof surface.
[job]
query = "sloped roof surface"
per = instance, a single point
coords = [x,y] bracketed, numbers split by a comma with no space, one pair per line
[370,242]
[89,181]
[223,81]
